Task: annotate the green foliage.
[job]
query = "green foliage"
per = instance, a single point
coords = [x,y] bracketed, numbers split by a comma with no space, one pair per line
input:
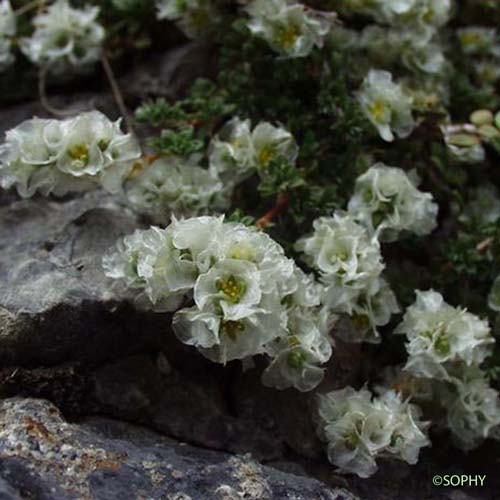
[280,177]
[172,143]
[474,252]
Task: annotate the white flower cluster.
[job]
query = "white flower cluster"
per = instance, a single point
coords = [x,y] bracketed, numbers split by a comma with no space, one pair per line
[359,428]
[8,27]
[387,202]
[409,32]
[476,40]
[248,298]
[440,336]
[194,17]
[290,28]
[238,151]
[390,46]
[446,346]
[345,250]
[62,156]
[171,186]
[65,38]
[349,262]
[386,105]
[473,408]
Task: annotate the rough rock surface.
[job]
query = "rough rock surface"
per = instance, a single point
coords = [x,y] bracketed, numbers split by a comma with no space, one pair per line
[44,457]
[52,289]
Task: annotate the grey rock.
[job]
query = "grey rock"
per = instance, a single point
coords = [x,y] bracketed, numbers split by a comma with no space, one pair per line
[170,74]
[42,456]
[54,296]
[188,403]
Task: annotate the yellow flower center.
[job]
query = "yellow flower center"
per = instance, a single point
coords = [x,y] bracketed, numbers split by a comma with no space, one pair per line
[266,155]
[233,288]
[79,152]
[378,110]
[470,39]
[287,37]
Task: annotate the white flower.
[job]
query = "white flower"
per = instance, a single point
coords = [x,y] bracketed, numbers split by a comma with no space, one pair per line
[222,340]
[477,40]
[200,237]
[298,356]
[413,48]
[359,428]
[424,15]
[231,286]
[65,38]
[244,277]
[374,308]
[270,142]
[247,297]
[231,151]
[386,201]
[194,16]
[473,409]
[8,27]
[408,434]
[169,186]
[440,335]
[237,151]
[348,259]
[61,156]
[94,146]
[463,143]
[386,105]
[149,262]
[289,27]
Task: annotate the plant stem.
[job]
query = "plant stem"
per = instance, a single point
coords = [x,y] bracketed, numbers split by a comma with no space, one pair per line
[282,203]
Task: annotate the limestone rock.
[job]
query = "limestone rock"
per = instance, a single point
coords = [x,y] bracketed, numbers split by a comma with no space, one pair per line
[42,456]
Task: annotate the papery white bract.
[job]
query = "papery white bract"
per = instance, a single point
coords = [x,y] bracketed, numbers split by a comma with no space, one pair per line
[473,408]
[439,335]
[298,356]
[171,186]
[387,202]
[238,151]
[386,105]
[358,428]
[62,156]
[149,262]
[65,38]
[290,28]
[347,258]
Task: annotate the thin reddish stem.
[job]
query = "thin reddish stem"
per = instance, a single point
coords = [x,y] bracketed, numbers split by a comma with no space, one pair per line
[282,203]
